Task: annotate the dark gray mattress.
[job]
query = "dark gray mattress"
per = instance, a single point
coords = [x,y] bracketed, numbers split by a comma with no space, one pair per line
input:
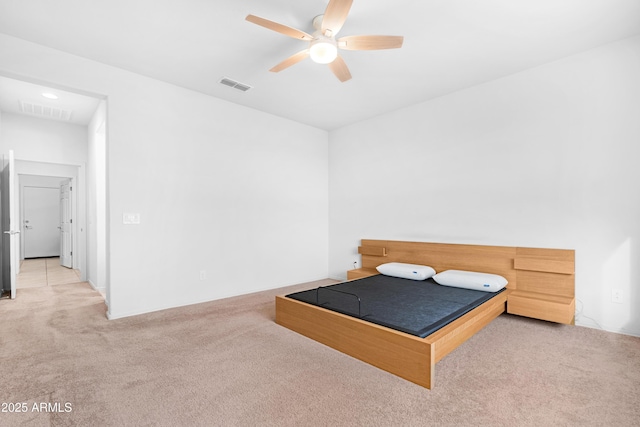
[415,307]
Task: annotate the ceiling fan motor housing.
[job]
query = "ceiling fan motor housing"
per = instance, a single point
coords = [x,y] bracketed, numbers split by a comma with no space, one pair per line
[317,22]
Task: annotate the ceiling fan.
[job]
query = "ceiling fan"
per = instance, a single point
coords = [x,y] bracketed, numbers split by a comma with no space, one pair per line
[323,46]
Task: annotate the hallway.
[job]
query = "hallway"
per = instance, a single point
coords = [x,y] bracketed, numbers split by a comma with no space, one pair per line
[40,272]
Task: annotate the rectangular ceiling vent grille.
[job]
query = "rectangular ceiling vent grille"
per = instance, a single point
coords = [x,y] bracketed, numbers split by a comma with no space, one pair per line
[45,111]
[234,84]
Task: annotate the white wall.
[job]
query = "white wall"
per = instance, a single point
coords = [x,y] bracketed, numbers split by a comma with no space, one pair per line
[43,140]
[96,196]
[543,158]
[220,188]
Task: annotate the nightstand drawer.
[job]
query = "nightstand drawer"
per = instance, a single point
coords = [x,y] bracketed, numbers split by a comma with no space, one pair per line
[553,308]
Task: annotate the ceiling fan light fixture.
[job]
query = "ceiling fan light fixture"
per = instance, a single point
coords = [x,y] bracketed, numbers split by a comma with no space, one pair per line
[323,46]
[323,50]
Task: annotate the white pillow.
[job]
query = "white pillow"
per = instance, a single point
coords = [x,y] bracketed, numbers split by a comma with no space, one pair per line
[471,280]
[406,271]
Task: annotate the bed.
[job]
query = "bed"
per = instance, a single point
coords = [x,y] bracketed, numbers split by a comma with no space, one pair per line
[541,285]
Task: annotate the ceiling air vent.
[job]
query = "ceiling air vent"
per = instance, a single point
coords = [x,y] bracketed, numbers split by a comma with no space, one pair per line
[45,111]
[234,84]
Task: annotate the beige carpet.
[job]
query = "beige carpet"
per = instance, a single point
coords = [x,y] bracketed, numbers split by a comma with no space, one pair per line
[226,363]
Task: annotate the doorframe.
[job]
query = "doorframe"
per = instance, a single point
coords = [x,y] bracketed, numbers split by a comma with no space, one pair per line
[80,206]
[62,171]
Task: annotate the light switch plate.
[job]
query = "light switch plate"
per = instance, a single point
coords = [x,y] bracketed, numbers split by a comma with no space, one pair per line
[131,218]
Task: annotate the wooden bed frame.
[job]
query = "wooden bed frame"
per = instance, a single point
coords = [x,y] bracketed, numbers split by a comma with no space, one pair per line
[541,285]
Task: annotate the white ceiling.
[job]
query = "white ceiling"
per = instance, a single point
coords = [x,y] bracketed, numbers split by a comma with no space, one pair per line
[449,45]
[20,97]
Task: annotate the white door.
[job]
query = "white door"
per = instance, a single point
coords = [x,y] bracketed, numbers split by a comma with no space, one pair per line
[41,224]
[9,239]
[66,249]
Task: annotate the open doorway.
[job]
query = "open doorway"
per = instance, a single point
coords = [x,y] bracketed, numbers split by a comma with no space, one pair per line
[47,209]
[67,143]
[45,180]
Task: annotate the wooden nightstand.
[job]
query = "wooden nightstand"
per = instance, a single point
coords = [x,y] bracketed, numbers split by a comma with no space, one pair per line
[359,273]
[553,308]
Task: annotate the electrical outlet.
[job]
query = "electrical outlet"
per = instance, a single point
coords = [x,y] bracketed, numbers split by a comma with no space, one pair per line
[616,296]
[203,274]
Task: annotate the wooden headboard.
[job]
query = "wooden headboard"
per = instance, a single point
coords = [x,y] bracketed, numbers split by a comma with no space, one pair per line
[541,281]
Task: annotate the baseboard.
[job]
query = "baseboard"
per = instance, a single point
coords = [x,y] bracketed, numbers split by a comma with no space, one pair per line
[113,316]
[103,292]
[96,288]
[613,330]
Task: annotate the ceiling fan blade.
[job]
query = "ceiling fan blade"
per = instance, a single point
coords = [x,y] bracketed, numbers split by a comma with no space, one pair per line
[292,60]
[335,15]
[339,68]
[370,42]
[282,29]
